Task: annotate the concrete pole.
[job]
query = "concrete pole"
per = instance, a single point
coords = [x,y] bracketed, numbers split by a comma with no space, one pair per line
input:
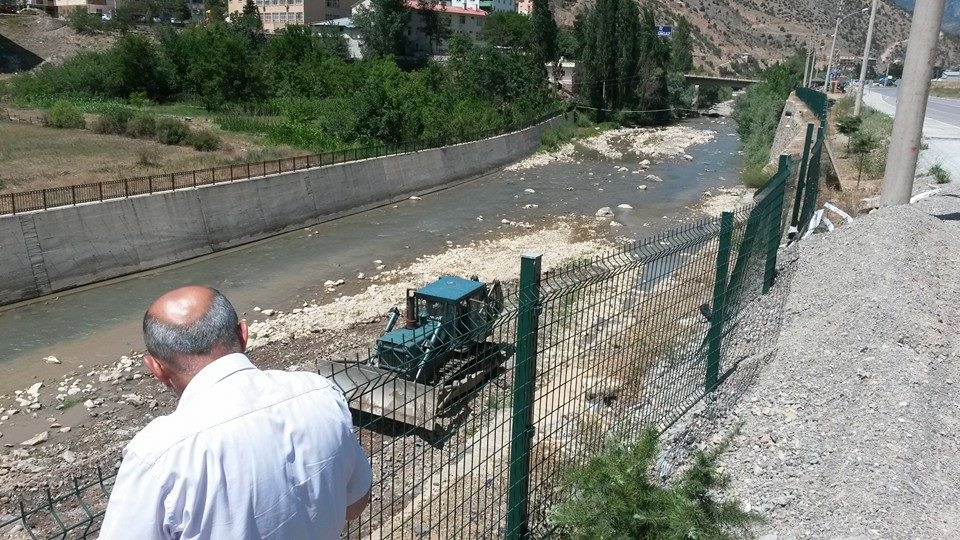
[866,60]
[826,77]
[807,68]
[912,103]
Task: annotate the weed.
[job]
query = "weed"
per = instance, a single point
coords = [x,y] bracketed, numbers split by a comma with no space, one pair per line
[754,177]
[68,402]
[939,174]
[613,496]
[171,131]
[148,156]
[64,115]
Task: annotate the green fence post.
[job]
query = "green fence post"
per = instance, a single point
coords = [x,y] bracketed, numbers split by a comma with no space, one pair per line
[802,177]
[719,300]
[521,433]
[774,219]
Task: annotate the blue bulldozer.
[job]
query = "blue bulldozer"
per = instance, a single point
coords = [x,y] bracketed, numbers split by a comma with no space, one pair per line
[426,365]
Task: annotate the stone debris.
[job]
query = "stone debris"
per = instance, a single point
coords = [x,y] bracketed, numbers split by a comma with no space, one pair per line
[52,360]
[39,438]
[654,178]
[604,212]
[625,206]
[68,456]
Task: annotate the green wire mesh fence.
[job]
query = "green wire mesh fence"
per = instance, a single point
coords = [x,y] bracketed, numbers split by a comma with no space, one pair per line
[481,394]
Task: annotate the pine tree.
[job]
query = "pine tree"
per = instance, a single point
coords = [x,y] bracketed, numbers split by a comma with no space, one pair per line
[544,32]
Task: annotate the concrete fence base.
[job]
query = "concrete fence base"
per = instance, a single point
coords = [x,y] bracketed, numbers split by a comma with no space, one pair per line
[53,250]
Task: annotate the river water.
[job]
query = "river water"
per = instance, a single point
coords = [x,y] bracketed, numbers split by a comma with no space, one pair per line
[97,324]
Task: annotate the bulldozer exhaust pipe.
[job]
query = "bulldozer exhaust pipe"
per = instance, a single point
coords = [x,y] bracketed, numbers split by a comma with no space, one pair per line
[411,311]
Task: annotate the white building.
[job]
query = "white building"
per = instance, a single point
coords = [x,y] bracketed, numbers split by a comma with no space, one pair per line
[278,14]
[344,29]
[460,20]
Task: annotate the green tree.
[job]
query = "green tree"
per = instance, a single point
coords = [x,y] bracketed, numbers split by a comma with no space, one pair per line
[434,25]
[567,44]
[506,29]
[249,23]
[681,47]
[383,26]
[543,33]
[849,125]
[216,10]
[182,11]
[861,146]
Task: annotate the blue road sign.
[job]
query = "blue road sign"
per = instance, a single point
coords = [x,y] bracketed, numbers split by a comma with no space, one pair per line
[664,31]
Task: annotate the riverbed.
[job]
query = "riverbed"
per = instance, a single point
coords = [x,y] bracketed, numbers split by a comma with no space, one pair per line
[96,324]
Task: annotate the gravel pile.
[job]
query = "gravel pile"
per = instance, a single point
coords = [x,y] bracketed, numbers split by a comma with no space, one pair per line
[851,429]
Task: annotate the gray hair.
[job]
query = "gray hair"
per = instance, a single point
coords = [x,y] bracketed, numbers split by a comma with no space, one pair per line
[217,328]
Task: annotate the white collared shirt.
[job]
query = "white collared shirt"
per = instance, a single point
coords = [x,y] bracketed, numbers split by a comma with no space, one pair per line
[247,454]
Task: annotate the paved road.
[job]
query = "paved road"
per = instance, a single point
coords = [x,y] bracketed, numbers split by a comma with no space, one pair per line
[941,128]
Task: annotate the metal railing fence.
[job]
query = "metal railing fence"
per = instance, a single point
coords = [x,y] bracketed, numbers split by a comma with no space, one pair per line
[596,349]
[816,101]
[43,199]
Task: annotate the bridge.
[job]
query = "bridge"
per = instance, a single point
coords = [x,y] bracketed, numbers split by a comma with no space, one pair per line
[730,82]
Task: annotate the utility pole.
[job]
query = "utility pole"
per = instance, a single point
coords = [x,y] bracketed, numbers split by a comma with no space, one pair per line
[912,103]
[836,29]
[807,68]
[866,60]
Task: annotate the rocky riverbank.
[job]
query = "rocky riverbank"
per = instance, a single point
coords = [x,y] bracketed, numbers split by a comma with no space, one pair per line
[635,144]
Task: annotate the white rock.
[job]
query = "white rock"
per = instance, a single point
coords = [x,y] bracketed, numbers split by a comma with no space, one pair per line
[89,404]
[625,206]
[604,212]
[654,178]
[645,163]
[256,308]
[34,406]
[360,275]
[64,429]
[39,438]
[616,224]
[415,198]
[528,190]
[688,157]
[642,187]
[268,312]
[52,360]
[34,389]
[68,456]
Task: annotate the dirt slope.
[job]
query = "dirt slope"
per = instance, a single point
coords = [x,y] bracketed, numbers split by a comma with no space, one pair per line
[852,429]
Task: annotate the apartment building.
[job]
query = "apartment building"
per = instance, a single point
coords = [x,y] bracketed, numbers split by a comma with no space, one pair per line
[485,5]
[278,14]
[60,8]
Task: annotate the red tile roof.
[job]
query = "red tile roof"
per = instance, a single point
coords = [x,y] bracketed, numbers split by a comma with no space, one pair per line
[414,4]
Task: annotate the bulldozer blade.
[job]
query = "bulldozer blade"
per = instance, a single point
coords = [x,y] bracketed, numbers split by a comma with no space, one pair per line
[379,392]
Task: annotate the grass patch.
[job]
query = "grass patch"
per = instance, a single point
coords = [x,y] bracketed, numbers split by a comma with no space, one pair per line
[246,124]
[939,174]
[940,91]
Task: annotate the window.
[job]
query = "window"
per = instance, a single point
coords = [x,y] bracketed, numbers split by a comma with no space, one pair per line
[463,19]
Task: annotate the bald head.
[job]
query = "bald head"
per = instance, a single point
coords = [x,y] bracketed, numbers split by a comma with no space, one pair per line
[190,327]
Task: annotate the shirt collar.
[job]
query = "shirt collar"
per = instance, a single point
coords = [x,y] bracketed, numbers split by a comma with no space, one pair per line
[212,373]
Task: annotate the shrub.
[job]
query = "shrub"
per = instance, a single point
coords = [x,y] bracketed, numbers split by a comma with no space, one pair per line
[64,115]
[939,174]
[171,131]
[149,156]
[84,22]
[203,140]
[613,496]
[113,120]
[142,124]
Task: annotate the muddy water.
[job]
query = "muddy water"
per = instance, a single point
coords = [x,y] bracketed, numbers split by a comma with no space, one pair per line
[99,323]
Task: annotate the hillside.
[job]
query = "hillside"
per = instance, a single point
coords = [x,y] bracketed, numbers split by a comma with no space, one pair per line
[769,30]
[951,14]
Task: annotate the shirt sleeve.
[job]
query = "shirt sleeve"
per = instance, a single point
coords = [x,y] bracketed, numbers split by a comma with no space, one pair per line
[136,505]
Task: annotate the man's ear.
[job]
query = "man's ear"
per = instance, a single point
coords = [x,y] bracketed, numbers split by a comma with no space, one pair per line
[243,333]
[159,370]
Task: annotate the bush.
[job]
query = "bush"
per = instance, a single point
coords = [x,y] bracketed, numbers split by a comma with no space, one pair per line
[84,22]
[171,131]
[64,115]
[203,140]
[113,120]
[142,124]
[613,496]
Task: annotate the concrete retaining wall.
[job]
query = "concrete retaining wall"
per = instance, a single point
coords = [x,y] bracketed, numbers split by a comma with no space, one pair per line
[52,250]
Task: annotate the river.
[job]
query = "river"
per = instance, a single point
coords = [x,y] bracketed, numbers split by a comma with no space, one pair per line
[98,323]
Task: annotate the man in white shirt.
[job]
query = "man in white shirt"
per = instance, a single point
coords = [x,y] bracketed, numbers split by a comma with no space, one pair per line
[247,454]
